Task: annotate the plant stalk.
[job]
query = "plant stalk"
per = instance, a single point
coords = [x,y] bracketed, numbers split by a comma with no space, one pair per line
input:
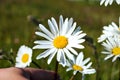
[72,77]
[56,70]
[90,42]
[83,76]
[119,69]
[36,64]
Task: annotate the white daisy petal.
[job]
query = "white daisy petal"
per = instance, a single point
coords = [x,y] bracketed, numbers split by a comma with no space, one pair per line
[82,35]
[105,52]
[80,41]
[43,42]
[64,27]
[45,31]
[59,55]
[43,35]
[63,59]
[89,65]
[86,61]
[74,72]
[19,65]
[60,23]
[68,54]
[52,28]
[45,53]
[70,22]
[118,1]
[68,69]
[106,2]
[114,58]
[76,30]
[108,56]
[44,46]
[51,57]
[89,71]
[110,2]
[78,46]
[55,24]
[79,58]
[72,50]
[71,30]
[68,63]
[114,25]
[102,1]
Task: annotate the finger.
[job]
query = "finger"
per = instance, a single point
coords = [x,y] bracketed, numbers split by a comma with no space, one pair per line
[12,73]
[39,74]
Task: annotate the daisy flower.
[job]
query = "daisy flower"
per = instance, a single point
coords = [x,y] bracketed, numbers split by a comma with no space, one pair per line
[112,48]
[80,65]
[24,57]
[108,31]
[109,2]
[60,40]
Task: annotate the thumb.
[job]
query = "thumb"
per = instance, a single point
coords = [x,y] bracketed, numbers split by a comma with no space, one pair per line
[40,74]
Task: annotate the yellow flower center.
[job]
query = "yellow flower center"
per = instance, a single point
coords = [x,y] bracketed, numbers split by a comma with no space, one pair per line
[78,68]
[60,42]
[25,58]
[116,51]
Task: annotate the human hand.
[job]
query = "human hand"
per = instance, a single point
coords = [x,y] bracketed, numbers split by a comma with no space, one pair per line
[26,74]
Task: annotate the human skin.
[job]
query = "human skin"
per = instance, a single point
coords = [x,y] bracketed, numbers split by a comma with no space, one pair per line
[26,74]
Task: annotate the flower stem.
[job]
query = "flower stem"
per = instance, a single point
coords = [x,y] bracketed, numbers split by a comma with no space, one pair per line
[111,77]
[56,70]
[36,64]
[119,70]
[83,76]
[90,42]
[119,22]
[72,77]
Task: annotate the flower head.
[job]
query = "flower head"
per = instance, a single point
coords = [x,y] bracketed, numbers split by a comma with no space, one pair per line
[111,30]
[112,47]
[60,40]
[109,2]
[24,56]
[80,65]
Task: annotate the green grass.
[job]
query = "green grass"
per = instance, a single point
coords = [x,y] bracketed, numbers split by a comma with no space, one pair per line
[16,30]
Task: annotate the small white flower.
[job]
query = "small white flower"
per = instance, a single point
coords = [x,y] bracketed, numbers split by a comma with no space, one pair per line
[60,40]
[112,48]
[108,31]
[24,57]
[80,65]
[109,2]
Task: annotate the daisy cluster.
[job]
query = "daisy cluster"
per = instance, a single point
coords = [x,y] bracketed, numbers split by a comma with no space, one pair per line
[110,37]
[60,41]
[109,2]
[110,40]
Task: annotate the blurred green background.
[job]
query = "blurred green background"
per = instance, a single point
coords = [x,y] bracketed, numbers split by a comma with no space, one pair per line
[16,30]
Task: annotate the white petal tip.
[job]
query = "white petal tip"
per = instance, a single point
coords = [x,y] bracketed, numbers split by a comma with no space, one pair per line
[34,48]
[48,62]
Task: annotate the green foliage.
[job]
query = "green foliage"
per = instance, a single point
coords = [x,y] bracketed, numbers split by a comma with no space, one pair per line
[16,30]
